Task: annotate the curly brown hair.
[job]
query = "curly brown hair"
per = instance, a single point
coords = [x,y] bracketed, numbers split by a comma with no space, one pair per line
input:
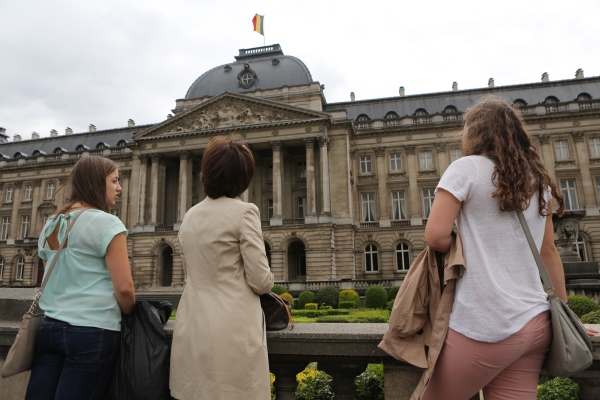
[495,129]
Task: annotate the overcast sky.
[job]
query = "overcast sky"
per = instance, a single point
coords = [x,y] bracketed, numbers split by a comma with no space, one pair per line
[71,63]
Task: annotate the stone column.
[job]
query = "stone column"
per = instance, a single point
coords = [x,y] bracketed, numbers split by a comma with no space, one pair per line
[34,231]
[356,204]
[61,197]
[589,195]
[16,203]
[384,206]
[311,192]
[155,158]
[184,178]
[344,373]
[547,154]
[142,192]
[412,167]
[277,184]
[125,175]
[325,216]
[285,371]
[442,156]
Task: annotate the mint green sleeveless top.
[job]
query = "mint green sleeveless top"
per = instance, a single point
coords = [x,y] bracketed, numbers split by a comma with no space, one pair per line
[80,290]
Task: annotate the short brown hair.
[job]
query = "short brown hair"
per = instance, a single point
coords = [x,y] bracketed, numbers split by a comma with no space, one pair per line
[227,167]
[88,183]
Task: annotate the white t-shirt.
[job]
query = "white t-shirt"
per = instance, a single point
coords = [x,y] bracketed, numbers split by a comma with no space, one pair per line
[501,289]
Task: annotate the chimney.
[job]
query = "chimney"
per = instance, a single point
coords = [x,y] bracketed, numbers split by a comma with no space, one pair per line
[169,116]
[53,133]
[491,82]
[545,77]
[3,136]
[130,123]
[401,91]
[35,135]
[68,131]
[454,86]
[579,74]
[17,138]
[92,128]
[352,96]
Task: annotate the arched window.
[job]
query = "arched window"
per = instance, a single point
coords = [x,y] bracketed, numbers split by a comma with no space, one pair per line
[402,257]
[38,153]
[551,100]
[82,147]
[19,154]
[371,258]
[518,103]
[121,143]
[20,266]
[391,114]
[1,268]
[421,111]
[59,150]
[450,109]
[102,145]
[363,117]
[579,247]
[583,97]
[296,261]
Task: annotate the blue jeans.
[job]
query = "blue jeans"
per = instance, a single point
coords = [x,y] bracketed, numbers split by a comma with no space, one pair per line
[72,362]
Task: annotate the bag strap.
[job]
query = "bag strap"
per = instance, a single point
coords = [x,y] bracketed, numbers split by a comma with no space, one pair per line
[53,263]
[536,254]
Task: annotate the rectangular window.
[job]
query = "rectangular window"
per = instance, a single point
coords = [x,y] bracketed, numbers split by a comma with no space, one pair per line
[5,228]
[428,197]
[270,208]
[594,144]
[50,190]
[366,166]
[116,212]
[455,154]
[567,186]
[24,226]
[301,207]
[9,194]
[395,162]
[368,207]
[28,194]
[301,172]
[561,150]
[20,269]
[398,205]
[426,159]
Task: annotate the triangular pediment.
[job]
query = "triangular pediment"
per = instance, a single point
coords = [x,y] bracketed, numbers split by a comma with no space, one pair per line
[229,111]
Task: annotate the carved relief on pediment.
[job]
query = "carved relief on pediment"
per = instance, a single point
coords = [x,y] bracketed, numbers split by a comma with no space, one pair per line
[231,113]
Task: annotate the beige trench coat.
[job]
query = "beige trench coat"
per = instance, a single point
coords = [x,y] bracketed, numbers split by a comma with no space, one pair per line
[219,349]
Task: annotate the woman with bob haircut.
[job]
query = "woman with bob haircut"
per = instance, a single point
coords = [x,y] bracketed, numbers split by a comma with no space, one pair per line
[90,286]
[219,349]
[499,330]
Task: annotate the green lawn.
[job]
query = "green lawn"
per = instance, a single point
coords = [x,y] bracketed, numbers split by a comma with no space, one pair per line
[350,316]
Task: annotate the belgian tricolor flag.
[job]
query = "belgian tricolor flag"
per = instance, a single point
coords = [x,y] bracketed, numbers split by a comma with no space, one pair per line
[259,24]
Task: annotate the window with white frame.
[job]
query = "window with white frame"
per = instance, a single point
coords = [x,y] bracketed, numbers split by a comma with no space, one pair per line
[9,194]
[20,264]
[569,192]
[301,171]
[579,248]
[24,226]
[455,154]
[402,257]
[594,144]
[5,228]
[371,258]
[301,207]
[428,197]
[426,159]
[1,268]
[366,165]
[50,190]
[116,212]
[368,206]
[398,205]
[395,162]
[28,193]
[561,149]
[270,208]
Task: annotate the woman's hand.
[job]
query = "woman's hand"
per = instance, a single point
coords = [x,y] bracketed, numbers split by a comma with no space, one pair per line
[591,331]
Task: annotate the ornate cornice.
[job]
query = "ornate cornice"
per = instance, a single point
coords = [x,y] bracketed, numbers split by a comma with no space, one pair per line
[410,149]
[380,152]
[155,157]
[544,138]
[578,136]
[440,146]
[310,143]
[323,141]
[37,182]
[276,145]
[18,184]
[143,158]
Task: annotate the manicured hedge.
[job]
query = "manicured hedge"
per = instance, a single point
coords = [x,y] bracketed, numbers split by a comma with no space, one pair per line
[278,289]
[305,297]
[327,296]
[376,297]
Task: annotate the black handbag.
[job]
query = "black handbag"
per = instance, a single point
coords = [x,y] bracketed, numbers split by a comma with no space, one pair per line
[276,311]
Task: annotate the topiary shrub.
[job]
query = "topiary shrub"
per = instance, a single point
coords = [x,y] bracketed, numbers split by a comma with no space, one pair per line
[289,298]
[346,305]
[389,305]
[582,305]
[591,318]
[376,297]
[369,384]
[350,295]
[558,389]
[326,308]
[393,292]
[278,289]
[305,297]
[327,296]
[311,306]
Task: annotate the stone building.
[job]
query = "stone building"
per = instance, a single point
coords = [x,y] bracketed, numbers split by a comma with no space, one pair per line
[344,189]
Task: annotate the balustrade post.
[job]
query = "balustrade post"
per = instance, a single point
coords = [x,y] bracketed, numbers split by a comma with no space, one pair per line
[344,374]
[285,378]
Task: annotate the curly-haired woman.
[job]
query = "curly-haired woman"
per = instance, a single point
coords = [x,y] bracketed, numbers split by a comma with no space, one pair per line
[499,329]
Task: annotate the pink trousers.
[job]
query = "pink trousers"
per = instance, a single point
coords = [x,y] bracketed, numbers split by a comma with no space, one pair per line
[505,370]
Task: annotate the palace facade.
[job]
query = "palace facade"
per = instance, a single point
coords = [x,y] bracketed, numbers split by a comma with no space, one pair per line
[344,189]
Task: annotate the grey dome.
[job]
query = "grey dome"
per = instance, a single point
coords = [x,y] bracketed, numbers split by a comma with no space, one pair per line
[258,68]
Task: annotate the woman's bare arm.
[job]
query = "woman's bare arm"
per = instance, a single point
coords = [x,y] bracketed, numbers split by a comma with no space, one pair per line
[438,232]
[552,260]
[120,273]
